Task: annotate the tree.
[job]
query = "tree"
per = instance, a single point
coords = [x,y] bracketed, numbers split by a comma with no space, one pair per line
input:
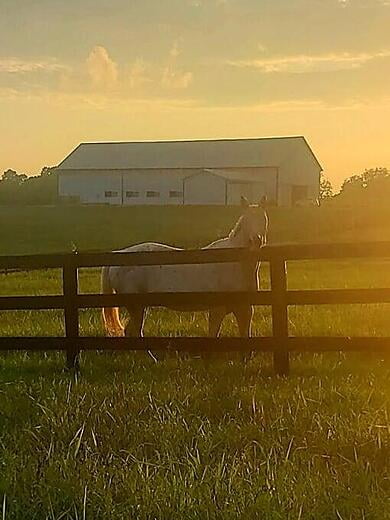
[20,189]
[366,179]
[13,176]
[47,170]
[326,188]
[371,186]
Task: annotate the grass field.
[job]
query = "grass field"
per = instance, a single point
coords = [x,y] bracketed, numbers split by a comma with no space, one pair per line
[128,438]
[25,230]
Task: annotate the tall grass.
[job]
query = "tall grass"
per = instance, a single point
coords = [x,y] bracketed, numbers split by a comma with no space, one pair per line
[132,439]
[180,439]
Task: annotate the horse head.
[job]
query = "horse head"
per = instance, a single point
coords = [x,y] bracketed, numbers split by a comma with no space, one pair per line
[254,223]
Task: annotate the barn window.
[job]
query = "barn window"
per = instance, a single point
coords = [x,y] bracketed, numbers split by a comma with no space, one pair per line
[174,194]
[151,194]
[110,194]
[130,194]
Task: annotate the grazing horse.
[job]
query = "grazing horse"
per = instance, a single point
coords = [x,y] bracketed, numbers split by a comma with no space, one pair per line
[249,232]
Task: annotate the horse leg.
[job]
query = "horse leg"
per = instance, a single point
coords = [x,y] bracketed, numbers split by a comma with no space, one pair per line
[134,327]
[216,317]
[244,316]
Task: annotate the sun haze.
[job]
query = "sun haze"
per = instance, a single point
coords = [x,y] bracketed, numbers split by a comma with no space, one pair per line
[116,70]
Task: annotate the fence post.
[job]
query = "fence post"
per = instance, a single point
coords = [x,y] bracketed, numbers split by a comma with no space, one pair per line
[280,315]
[70,288]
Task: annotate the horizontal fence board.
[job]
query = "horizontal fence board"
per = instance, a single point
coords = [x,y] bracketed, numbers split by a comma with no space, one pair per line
[179,257]
[26,262]
[201,300]
[143,344]
[338,344]
[24,270]
[196,299]
[188,256]
[338,296]
[278,298]
[12,303]
[267,253]
[226,344]
[35,343]
[328,251]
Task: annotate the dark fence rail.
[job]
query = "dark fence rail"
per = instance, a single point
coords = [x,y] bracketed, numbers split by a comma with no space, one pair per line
[279,298]
[191,256]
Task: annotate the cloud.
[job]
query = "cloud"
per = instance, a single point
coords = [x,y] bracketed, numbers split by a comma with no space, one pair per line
[95,101]
[18,65]
[302,63]
[172,77]
[102,70]
[105,72]
[175,50]
[115,103]
[363,3]
[203,3]
[99,74]
[308,105]
[139,74]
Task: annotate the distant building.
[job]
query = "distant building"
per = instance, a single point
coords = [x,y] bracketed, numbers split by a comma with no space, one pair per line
[284,169]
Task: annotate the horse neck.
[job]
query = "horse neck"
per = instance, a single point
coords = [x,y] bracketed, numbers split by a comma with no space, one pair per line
[238,236]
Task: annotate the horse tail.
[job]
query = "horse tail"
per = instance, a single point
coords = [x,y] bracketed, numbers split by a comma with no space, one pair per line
[111,319]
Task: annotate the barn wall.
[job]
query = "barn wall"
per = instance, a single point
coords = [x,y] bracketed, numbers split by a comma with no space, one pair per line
[264,180]
[132,187]
[91,187]
[298,168]
[252,191]
[166,185]
[268,179]
[205,188]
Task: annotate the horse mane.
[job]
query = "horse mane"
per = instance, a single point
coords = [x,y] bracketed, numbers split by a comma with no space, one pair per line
[236,228]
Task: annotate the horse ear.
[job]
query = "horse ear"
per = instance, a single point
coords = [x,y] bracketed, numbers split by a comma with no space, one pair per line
[244,202]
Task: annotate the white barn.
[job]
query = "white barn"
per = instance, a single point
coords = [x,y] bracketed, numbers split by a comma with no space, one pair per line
[284,169]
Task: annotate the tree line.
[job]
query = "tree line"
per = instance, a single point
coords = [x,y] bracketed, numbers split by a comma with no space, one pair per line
[21,189]
[370,187]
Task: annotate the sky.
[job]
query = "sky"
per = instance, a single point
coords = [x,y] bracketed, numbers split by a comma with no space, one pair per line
[118,70]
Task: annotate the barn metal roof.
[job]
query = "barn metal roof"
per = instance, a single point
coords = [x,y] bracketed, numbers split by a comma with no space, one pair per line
[219,153]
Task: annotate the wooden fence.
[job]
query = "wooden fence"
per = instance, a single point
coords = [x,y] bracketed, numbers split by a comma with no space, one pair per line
[278,297]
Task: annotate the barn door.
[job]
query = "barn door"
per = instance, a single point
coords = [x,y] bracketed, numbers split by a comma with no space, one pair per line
[204,189]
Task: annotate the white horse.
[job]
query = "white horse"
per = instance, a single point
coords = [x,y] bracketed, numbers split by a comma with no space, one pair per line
[250,232]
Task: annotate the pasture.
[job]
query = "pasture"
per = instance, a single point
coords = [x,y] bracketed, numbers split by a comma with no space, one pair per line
[128,438]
